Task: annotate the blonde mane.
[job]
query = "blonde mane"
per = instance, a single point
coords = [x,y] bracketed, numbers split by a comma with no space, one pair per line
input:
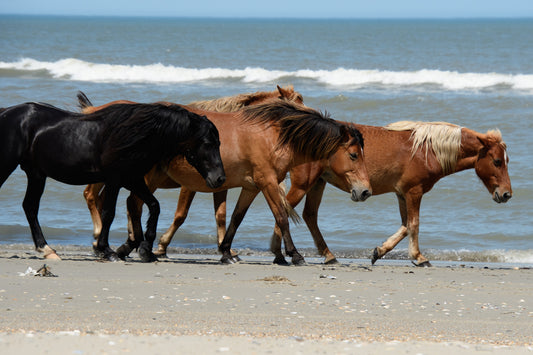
[235,103]
[443,138]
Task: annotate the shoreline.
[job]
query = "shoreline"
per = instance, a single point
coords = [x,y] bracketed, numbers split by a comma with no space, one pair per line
[188,299]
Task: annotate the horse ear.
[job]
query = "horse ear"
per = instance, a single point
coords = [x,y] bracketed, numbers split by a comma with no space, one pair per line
[281,91]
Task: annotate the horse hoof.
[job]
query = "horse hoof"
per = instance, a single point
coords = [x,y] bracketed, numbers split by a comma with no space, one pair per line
[375,255]
[298,261]
[98,253]
[123,251]
[113,257]
[236,258]
[422,264]
[280,260]
[331,262]
[147,256]
[52,256]
[227,261]
[160,255]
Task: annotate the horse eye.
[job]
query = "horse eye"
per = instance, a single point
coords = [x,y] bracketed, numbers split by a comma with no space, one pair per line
[497,162]
[353,156]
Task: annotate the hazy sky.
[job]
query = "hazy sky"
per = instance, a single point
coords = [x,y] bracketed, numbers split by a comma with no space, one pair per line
[275,8]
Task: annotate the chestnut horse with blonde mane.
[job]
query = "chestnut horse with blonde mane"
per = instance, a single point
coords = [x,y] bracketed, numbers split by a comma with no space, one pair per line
[408,158]
[94,192]
[259,145]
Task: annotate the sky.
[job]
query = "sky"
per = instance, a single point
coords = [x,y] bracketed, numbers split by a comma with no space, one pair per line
[276,8]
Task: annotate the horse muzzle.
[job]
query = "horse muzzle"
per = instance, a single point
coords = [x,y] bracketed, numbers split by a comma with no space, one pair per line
[360,195]
[214,182]
[499,197]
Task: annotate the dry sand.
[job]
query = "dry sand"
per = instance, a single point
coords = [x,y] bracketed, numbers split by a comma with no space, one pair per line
[190,304]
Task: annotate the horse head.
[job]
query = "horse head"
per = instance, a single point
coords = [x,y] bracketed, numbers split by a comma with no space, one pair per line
[491,166]
[347,168]
[203,151]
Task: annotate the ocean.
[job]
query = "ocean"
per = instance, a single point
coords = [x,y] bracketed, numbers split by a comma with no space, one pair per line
[474,73]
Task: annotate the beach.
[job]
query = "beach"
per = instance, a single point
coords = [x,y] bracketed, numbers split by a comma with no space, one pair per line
[194,304]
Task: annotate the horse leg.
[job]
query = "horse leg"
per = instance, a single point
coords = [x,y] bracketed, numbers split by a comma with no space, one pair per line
[409,211]
[243,203]
[108,214]
[145,248]
[30,205]
[294,196]
[94,204]
[135,231]
[397,237]
[413,222]
[274,196]
[184,204]
[310,216]
[219,203]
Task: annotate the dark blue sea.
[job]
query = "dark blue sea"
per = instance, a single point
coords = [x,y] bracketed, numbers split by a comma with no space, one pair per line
[474,73]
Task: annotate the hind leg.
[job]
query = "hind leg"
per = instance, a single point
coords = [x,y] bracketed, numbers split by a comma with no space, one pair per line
[94,204]
[30,205]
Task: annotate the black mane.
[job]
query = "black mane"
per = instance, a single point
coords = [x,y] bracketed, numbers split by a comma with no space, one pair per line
[305,130]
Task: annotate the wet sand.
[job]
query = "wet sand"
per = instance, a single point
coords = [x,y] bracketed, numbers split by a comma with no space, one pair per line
[192,304]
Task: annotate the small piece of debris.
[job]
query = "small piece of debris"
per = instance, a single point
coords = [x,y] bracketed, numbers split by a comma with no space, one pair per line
[44,271]
[275,278]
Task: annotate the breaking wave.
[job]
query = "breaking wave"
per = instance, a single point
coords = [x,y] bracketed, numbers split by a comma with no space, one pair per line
[79,70]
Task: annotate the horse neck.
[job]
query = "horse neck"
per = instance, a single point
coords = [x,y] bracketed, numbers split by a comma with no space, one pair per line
[469,152]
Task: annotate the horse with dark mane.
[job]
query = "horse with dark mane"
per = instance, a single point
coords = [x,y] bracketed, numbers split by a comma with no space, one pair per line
[259,144]
[117,145]
[408,158]
[94,193]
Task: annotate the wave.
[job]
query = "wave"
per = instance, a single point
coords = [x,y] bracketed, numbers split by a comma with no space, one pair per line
[79,70]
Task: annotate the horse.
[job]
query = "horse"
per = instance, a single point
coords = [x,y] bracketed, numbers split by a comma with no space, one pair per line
[259,144]
[408,158]
[93,193]
[117,145]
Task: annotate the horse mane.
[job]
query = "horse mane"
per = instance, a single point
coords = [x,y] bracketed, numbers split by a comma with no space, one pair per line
[303,129]
[132,131]
[236,102]
[443,138]
[496,136]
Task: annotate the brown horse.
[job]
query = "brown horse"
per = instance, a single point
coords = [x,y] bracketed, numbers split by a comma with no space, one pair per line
[93,193]
[408,158]
[260,145]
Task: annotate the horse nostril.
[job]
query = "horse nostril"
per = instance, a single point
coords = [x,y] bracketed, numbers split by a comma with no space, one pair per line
[366,194]
[507,196]
[221,180]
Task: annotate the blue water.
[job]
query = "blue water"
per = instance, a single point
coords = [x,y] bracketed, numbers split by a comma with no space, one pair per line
[474,73]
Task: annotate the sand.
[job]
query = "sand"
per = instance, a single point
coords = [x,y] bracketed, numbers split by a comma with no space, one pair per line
[191,304]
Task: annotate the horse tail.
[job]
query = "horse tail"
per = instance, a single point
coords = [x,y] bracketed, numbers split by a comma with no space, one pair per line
[293,215]
[83,101]
[12,140]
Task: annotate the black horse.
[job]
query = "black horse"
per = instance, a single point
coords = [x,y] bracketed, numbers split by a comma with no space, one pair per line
[117,145]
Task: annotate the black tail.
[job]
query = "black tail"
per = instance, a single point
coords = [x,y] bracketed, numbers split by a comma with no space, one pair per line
[83,100]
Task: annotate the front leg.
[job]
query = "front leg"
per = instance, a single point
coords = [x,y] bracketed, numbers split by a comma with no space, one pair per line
[140,189]
[246,198]
[274,196]
[397,237]
[134,207]
[310,216]
[108,214]
[182,209]
[409,210]
[294,196]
